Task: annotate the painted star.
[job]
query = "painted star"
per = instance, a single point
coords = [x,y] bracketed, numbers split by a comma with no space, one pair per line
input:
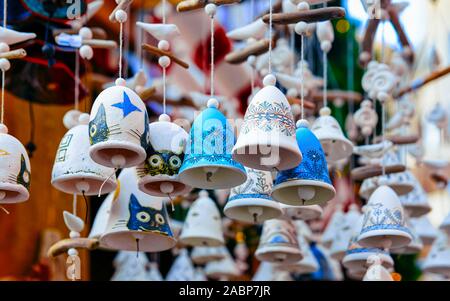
[126,106]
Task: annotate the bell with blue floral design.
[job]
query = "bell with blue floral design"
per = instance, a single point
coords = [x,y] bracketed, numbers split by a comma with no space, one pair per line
[208,163]
[158,175]
[267,136]
[137,221]
[74,171]
[335,145]
[309,183]
[251,202]
[118,128]
[15,170]
[384,221]
[278,242]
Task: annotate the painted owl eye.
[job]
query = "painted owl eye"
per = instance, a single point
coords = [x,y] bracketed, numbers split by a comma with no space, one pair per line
[160,219]
[143,217]
[175,161]
[93,130]
[155,161]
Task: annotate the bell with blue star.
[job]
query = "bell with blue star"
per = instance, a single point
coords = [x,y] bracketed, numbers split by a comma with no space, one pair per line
[118,128]
[207,162]
[251,202]
[158,174]
[309,183]
[267,135]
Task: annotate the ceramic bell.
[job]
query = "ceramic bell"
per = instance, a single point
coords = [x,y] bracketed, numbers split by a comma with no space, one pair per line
[153,273]
[203,255]
[251,202]
[207,163]
[270,272]
[182,268]
[304,213]
[424,229]
[344,233]
[384,221]
[329,233]
[223,269]
[416,244]
[335,145]
[278,242]
[118,128]
[376,271]
[267,135]
[416,202]
[438,260]
[445,225]
[129,267]
[199,275]
[15,170]
[309,183]
[158,175]
[137,221]
[101,218]
[203,226]
[74,172]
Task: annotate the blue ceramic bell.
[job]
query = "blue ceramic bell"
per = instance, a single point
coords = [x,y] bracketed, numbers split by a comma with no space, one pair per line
[309,183]
[208,163]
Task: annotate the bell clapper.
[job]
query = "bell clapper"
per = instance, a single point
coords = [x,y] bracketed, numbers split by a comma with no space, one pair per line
[306,193]
[280,257]
[255,212]
[386,243]
[118,161]
[82,186]
[210,170]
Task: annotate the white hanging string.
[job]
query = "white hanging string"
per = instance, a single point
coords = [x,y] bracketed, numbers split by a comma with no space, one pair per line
[270,35]
[5,18]
[302,84]
[164,68]
[120,49]
[212,56]
[77,79]
[164,11]
[325,79]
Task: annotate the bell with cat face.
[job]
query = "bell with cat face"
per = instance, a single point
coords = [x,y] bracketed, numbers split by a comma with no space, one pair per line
[251,202]
[118,128]
[203,226]
[267,136]
[74,171]
[208,163]
[304,213]
[384,221]
[309,183]
[158,175]
[137,221]
[335,145]
[15,170]
[278,242]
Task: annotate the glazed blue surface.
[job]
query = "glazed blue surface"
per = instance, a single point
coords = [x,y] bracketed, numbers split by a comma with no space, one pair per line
[313,166]
[250,196]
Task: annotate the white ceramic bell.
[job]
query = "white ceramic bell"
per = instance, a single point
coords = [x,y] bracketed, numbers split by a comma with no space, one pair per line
[330,231]
[153,273]
[278,242]
[384,221]
[118,128]
[199,275]
[223,269]
[203,225]
[101,218]
[344,233]
[130,267]
[137,221]
[182,268]
[445,225]
[251,202]
[74,172]
[415,202]
[267,139]
[424,229]
[10,36]
[15,170]
[304,213]
[203,255]
[438,260]
[158,175]
[335,145]
[376,271]
[308,264]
